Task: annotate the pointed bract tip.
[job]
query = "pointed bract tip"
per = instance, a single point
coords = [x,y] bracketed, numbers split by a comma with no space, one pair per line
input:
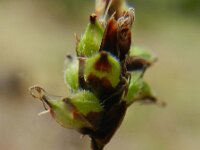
[37,92]
[93,18]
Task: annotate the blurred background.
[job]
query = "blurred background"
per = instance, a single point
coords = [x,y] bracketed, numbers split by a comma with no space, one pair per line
[35,35]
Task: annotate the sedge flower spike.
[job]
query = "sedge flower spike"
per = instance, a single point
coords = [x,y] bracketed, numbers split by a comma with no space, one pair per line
[105,77]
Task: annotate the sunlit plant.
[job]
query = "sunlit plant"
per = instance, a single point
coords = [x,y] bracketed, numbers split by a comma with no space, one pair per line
[105,77]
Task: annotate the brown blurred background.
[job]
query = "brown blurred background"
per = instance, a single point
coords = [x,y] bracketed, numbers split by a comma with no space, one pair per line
[35,35]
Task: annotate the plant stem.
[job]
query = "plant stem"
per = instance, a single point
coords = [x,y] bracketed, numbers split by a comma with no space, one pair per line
[95,145]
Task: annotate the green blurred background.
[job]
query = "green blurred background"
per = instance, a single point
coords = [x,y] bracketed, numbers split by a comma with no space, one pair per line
[35,35]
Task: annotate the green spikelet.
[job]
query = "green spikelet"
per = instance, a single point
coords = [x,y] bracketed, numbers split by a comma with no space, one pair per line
[143,53]
[138,89]
[91,40]
[70,112]
[86,102]
[104,67]
[71,72]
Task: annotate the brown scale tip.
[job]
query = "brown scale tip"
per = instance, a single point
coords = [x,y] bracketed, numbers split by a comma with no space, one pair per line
[93,18]
[102,63]
[104,56]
